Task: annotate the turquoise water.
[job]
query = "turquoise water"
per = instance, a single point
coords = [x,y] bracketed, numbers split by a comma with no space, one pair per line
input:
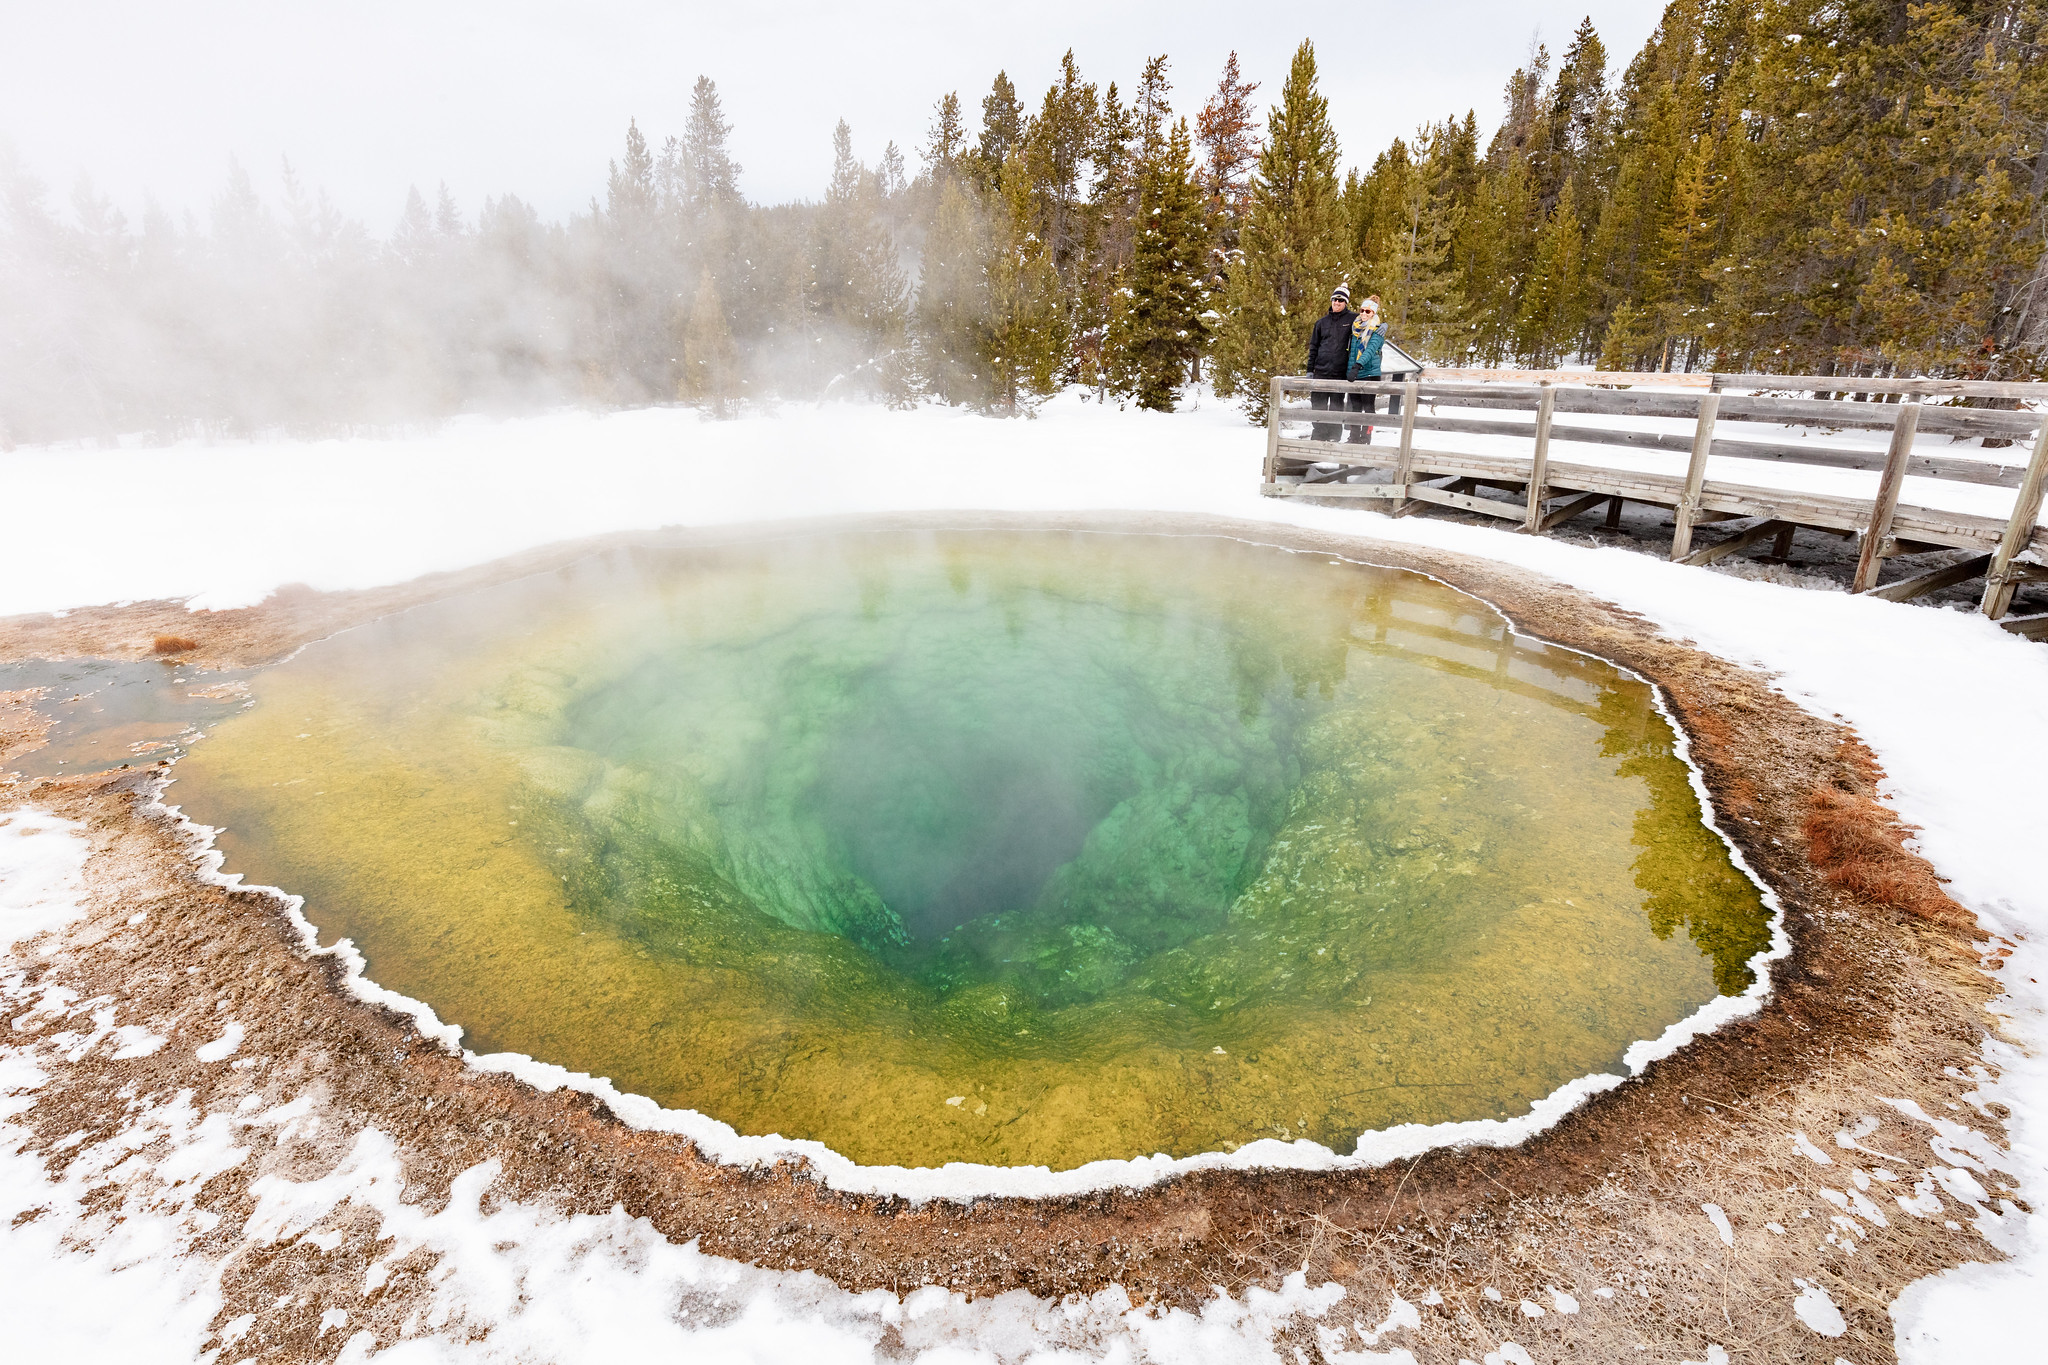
[997,847]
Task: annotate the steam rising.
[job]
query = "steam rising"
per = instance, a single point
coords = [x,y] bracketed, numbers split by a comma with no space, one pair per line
[287,314]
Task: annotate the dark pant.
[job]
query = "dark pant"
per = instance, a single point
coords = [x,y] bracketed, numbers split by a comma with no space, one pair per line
[1361,402]
[1332,402]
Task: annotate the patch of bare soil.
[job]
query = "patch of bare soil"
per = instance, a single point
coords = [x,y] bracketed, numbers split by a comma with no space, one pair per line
[1882,997]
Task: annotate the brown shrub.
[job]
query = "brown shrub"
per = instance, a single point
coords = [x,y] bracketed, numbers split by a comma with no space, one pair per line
[174,644]
[1860,846]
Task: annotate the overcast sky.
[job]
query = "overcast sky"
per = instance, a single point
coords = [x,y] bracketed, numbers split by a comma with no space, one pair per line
[368,96]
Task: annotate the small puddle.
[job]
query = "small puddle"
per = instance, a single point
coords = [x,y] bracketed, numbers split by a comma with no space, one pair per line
[1018,848]
[113,713]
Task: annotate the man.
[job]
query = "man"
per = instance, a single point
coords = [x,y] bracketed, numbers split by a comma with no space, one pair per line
[1329,350]
[1368,337]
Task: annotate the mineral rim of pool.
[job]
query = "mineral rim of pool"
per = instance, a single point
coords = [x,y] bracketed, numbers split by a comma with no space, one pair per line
[1018,848]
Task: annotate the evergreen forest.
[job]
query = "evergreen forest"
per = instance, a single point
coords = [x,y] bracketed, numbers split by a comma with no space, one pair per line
[1852,187]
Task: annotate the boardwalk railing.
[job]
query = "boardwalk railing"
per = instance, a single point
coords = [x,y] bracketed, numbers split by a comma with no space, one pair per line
[1545,490]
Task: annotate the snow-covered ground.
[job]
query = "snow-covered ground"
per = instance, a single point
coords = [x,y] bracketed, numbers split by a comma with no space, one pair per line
[1952,705]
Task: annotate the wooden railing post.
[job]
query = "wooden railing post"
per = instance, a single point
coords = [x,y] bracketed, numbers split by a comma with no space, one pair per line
[1404,460]
[1276,395]
[2026,510]
[1871,560]
[1539,462]
[1695,475]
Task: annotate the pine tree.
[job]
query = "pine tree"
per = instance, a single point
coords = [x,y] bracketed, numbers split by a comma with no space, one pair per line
[1579,115]
[1057,144]
[1421,302]
[1002,130]
[1028,323]
[1552,317]
[858,293]
[1293,245]
[947,139]
[952,332]
[710,366]
[1162,331]
[1626,345]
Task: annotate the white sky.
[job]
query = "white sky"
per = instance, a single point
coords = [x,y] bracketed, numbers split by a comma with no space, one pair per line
[368,96]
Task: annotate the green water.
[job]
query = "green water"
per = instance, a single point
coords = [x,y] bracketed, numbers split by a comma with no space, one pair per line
[1001,847]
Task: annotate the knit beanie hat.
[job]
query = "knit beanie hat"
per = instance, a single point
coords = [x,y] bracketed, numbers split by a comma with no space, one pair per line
[1342,291]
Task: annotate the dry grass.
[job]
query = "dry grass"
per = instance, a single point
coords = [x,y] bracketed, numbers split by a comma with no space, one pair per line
[1860,846]
[173,644]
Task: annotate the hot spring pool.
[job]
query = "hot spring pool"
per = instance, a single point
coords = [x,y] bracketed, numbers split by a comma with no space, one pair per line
[1018,848]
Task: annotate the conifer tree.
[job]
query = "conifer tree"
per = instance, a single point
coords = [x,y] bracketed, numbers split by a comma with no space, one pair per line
[1576,140]
[1481,250]
[1226,131]
[859,293]
[946,140]
[1552,317]
[710,367]
[1421,302]
[1057,144]
[1002,130]
[1293,244]
[709,175]
[952,311]
[1161,332]
[1028,325]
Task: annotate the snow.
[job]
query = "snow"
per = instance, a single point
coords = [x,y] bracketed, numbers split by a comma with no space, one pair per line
[1949,703]
[1719,1218]
[223,1047]
[39,875]
[1814,1308]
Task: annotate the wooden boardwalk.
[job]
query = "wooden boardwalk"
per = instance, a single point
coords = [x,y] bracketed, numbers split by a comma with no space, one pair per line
[1730,417]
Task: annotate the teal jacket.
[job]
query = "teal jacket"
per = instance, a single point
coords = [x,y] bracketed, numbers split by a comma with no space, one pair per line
[1364,360]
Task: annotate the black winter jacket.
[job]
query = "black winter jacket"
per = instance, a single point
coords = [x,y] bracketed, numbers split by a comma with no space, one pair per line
[1329,345]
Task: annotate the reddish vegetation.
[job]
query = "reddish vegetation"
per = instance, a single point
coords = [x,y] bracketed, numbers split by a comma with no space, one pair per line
[174,644]
[1861,847]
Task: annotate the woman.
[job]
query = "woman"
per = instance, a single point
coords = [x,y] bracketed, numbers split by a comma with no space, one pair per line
[1368,337]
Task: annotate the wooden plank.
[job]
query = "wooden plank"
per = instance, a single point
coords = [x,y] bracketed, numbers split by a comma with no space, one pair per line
[2019,532]
[1342,490]
[1342,471]
[1825,412]
[1585,502]
[1491,507]
[1869,560]
[1273,405]
[2032,627]
[1719,383]
[1740,541]
[1893,547]
[1822,383]
[1781,548]
[1539,460]
[1613,522]
[1695,476]
[1947,576]
[1688,381]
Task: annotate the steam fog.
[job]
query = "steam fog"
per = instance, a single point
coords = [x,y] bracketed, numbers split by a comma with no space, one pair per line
[287,314]
[266,305]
